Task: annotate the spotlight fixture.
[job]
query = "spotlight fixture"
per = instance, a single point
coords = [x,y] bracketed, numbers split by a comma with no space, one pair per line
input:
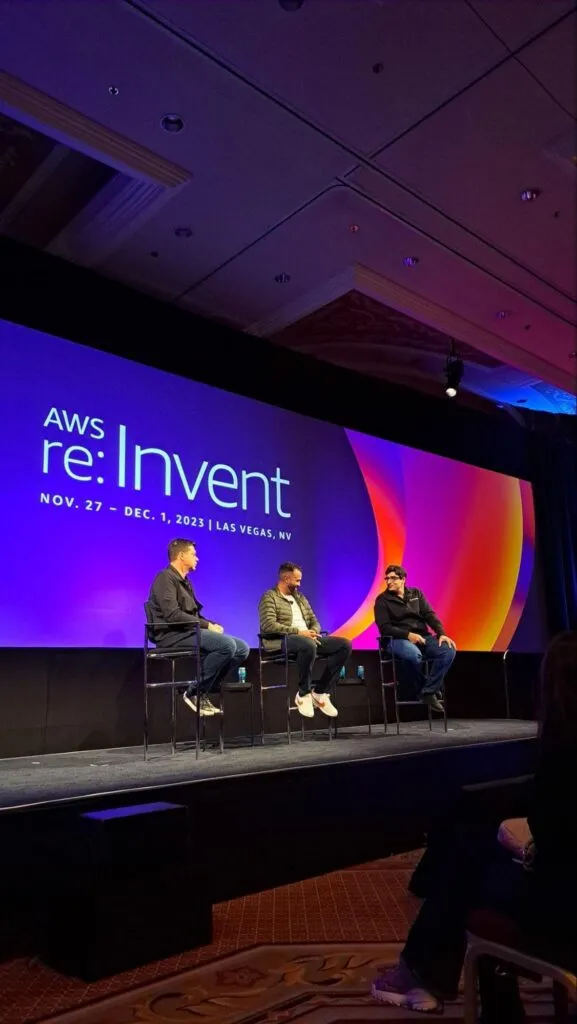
[282,278]
[113,90]
[183,232]
[291,5]
[529,195]
[353,228]
[172,123]
[502,314]
[454,371]
[410,261]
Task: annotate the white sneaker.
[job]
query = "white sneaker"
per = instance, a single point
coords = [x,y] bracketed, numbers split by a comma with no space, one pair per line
[305,705]
[398,987]
[323,702]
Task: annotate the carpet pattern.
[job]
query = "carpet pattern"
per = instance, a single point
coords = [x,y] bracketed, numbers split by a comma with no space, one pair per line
[305,952]
[314,984]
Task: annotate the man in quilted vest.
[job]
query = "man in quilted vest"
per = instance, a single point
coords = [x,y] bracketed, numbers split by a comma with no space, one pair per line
[283,609]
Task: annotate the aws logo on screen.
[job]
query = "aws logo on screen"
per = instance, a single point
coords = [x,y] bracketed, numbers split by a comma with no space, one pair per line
[225,486]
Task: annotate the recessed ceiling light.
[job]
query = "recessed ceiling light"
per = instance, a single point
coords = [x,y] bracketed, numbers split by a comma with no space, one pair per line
[502,314]
[172,123]
[573,355]
[378,68]
[353,228]
[113,90]
[410,261]
[154,254]
[282,278]
[528,195]
[183,232]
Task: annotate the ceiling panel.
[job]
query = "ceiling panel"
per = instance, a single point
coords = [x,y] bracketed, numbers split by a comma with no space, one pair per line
[516,21]
[74,52]
[321,58]
[553,60]
[318,245]
[473,158]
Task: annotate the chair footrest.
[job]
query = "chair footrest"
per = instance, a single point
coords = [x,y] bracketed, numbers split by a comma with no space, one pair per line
[178,684]
[236,687]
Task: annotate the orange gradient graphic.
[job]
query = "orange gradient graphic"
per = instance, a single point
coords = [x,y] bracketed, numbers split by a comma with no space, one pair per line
[465,535]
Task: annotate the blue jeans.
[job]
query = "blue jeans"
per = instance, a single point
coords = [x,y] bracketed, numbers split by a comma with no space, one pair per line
[220,655]
[411,669]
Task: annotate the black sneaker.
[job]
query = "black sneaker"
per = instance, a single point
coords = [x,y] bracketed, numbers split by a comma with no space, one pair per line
[434,703]
[206,708]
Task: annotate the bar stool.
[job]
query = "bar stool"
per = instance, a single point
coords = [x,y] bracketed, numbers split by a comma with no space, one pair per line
[279,657]
[564,982]
[388,665]
[173,655]
[358,681]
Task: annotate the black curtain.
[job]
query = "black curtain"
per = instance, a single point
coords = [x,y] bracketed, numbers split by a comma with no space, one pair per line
[554,475]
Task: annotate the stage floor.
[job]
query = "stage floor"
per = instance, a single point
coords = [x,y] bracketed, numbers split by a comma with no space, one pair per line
[51,779]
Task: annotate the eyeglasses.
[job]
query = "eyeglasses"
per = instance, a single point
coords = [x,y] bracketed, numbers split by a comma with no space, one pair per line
[391,578]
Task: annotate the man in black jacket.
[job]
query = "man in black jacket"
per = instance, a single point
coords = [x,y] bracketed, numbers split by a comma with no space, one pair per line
[172,600]
[405,616]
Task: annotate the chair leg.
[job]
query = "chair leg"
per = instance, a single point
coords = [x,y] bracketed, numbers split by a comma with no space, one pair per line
[369,709]
[383,692]
[261,699]
[145,722]
[397,717]
[470,1008]
[252,716]
[560,1004]
[173,708]
[385,715]
[288,700]
[395,689]
[221,724]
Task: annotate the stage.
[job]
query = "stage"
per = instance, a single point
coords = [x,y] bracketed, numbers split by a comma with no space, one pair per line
[258,817]
[81,776]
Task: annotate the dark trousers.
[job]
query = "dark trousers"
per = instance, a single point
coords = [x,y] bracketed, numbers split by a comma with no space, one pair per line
[220,654]
[478,873]
[334,650]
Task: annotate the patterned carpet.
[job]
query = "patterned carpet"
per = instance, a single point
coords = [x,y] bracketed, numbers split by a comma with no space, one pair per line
[305,952]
